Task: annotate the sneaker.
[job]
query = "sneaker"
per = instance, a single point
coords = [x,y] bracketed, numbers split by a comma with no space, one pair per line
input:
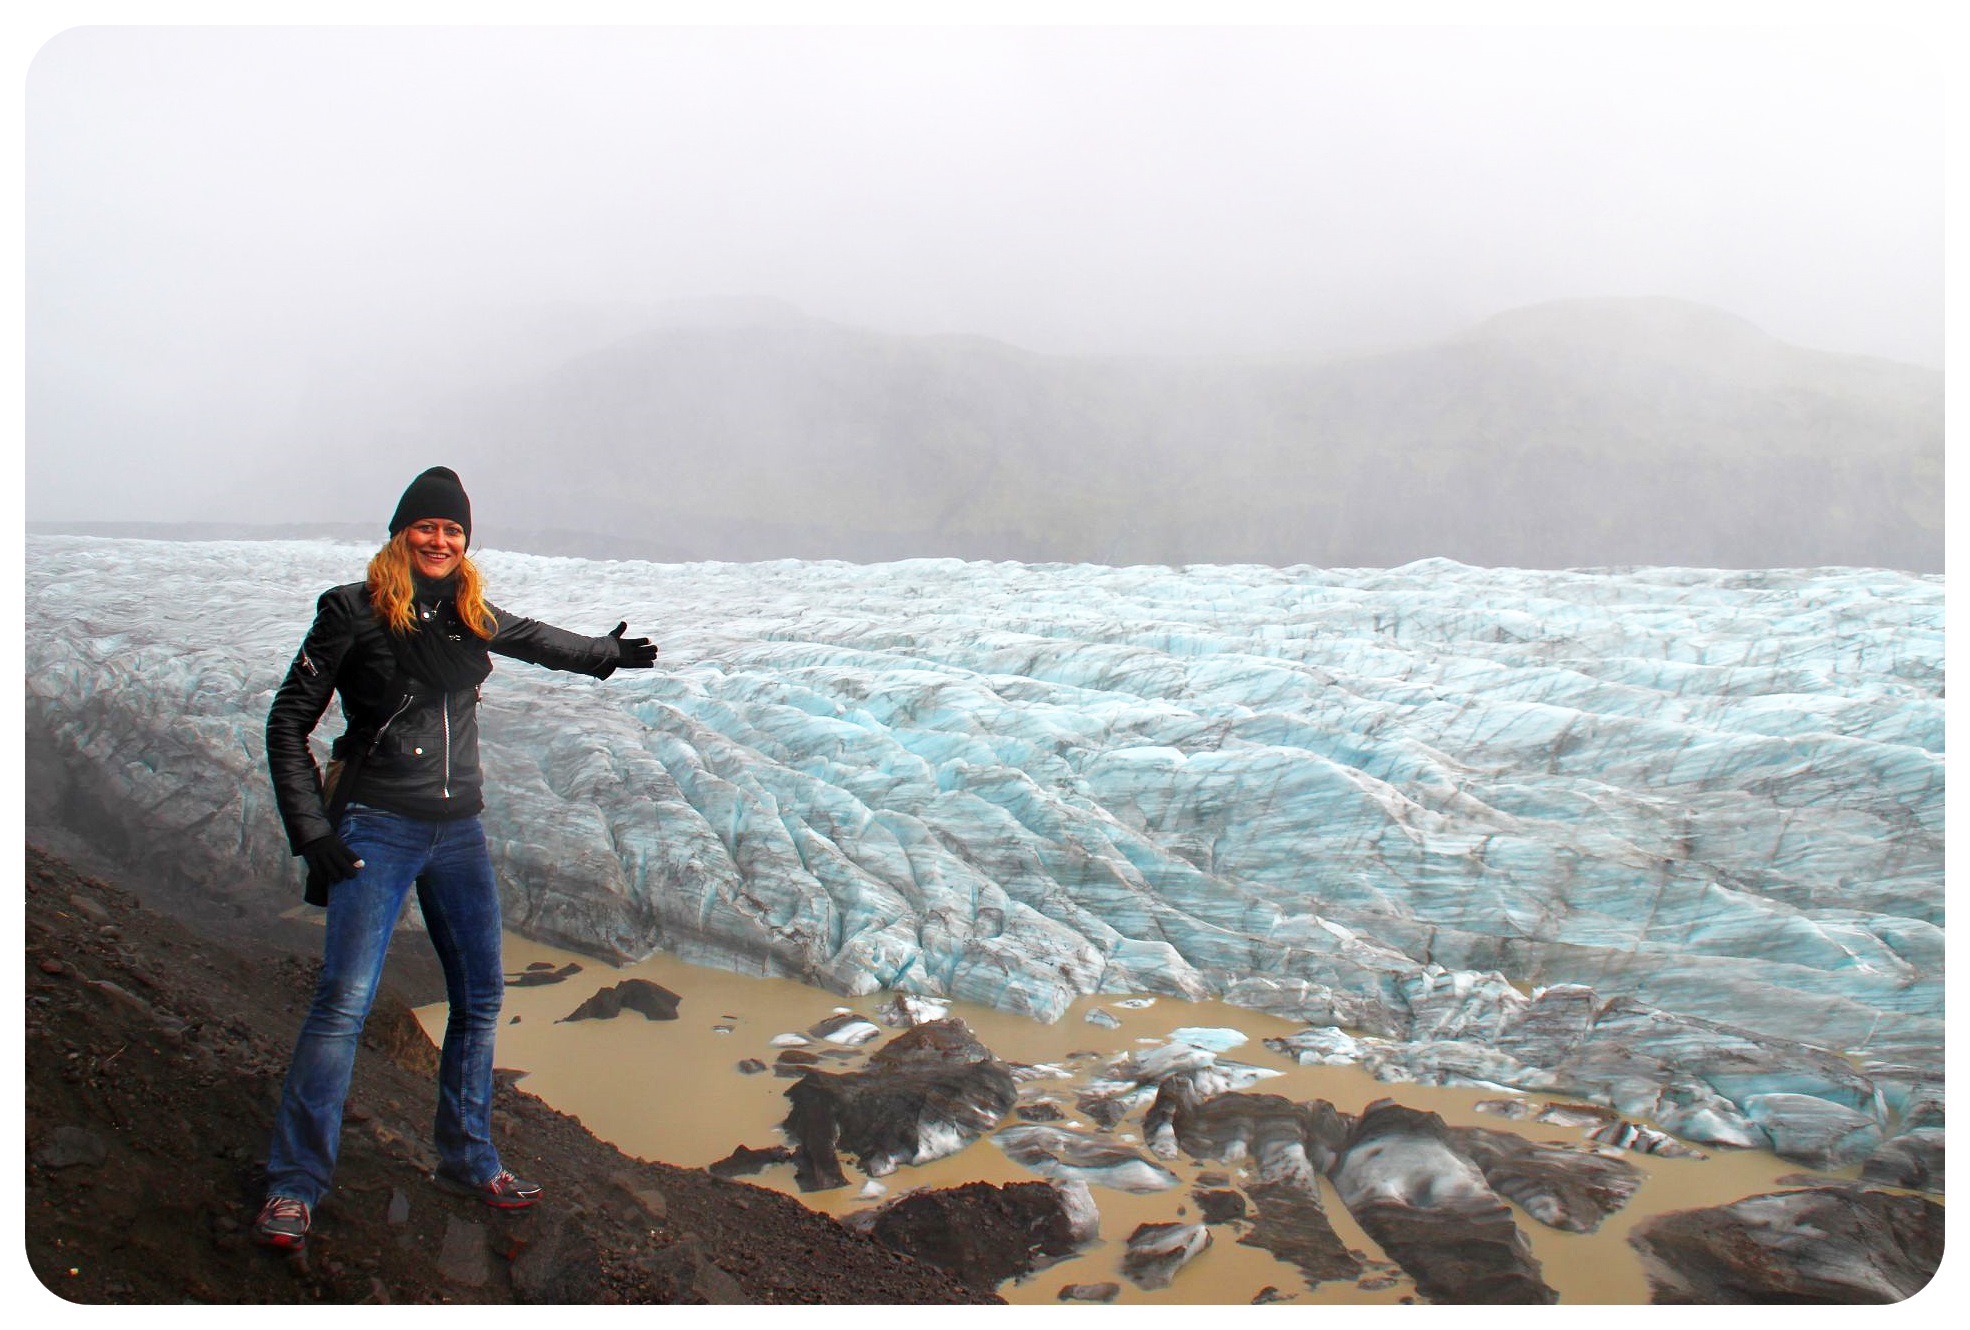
[283,1223]
[502,1190]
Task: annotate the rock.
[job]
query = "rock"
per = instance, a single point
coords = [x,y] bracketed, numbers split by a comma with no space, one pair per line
[1271,1131]
[67,1146]
[985,1234]
[124,996]
[925,1094]
[562,1265]
[49,965]
[846,1029]
[542,972]
[1088,1293]
[1913,1160]
[1586,1115]
[745,1161]
[1055,1152]
[463,1258]
[699,1279]
[1108,1110]
[397,1213]
[394,1031]
[1219,1207]
[1402,1176]
[1279,1138]
[1292,1224]
[89,907]
[1827,1245]
[1561,1186]
[651,1201]
[654,1001]
[1157,1252]
[1106,1020]
[1151,1066]
[904,1009]
[1644,1140]
[1039,1112]
[751,1066]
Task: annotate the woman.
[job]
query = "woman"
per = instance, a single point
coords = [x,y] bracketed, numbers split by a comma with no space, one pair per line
[406,650]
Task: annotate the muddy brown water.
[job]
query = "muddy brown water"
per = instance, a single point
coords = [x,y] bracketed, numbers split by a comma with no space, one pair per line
[672,1091]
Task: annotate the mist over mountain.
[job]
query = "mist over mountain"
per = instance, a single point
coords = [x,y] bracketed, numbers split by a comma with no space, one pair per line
[1578,433]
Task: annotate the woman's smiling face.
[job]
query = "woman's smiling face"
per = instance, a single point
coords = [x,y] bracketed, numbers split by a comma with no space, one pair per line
[436,546]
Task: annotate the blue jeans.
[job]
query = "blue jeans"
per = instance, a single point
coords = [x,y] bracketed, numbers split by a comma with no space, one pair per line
[460,902]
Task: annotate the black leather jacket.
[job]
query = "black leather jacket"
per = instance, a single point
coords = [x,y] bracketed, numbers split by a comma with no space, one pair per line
[426,760]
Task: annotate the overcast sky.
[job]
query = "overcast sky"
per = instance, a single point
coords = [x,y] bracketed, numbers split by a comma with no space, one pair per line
[214,215]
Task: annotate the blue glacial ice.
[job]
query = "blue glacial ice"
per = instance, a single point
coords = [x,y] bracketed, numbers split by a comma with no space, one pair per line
[1398,802]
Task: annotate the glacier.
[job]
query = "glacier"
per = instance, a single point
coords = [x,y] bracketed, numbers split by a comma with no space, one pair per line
[1425,806]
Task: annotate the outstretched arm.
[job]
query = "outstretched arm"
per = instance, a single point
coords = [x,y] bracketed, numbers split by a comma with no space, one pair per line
[540,643]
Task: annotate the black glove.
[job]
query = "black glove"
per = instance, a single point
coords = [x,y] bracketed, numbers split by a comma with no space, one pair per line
[329,861]
[632,653]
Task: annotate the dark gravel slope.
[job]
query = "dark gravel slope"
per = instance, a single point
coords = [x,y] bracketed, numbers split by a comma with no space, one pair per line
[153,1062]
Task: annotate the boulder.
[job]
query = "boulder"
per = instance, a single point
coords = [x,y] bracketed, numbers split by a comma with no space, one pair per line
[745,1161]
[1410,1186]
[927,1093]
[1273,1133]
[986,1234]
[1055,1152]
[1913,1160]
[1823,1245]
[1562,1186]
[654,1001]
[1156,1252]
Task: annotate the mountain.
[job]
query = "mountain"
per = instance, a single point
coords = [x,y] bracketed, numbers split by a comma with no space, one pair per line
[1580,433]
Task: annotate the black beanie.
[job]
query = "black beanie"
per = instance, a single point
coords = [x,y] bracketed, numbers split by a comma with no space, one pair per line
[436,493]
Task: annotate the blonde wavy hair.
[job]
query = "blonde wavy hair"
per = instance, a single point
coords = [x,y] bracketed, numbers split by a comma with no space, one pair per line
[391,590]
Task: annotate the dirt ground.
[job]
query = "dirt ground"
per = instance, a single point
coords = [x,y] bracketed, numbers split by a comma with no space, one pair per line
[154,1056]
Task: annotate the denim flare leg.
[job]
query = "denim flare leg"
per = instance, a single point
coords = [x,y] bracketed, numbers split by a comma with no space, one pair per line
[460,904]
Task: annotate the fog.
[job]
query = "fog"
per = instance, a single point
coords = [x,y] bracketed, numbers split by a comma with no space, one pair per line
[230,230]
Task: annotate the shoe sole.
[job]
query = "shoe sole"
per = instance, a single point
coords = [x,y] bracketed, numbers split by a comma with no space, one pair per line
[280,1241]
[482,1196]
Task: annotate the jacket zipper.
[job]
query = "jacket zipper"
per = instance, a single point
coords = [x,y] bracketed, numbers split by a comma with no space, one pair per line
[377,738]
[446,701]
